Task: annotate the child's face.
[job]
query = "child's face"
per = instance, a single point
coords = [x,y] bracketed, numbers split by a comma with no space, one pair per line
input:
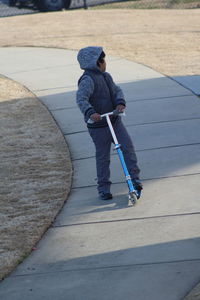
[102,66]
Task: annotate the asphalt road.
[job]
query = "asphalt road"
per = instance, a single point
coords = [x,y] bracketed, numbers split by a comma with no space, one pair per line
[6,11]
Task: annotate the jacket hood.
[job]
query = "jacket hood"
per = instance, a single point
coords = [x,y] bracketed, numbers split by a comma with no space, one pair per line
[87,57]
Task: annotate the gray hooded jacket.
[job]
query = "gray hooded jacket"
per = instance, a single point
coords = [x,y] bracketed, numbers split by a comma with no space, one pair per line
[97,93]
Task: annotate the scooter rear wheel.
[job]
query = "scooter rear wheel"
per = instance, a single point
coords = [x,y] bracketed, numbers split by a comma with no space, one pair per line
[133,198]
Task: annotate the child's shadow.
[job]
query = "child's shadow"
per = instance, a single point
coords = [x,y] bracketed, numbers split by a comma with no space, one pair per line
[119,201]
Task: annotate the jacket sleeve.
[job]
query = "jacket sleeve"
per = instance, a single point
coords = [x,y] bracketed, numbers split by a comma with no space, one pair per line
[118,93]
[84,92]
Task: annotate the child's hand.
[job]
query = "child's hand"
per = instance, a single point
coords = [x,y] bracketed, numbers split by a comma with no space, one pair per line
[95,117]
[120,108]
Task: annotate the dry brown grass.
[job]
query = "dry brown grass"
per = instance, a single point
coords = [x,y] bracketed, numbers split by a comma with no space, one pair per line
[35,172]
[166,40]
[194,294]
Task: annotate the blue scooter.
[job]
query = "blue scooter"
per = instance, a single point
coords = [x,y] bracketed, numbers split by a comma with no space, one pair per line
[134,194]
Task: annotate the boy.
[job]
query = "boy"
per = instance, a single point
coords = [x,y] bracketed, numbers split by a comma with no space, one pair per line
[97,94]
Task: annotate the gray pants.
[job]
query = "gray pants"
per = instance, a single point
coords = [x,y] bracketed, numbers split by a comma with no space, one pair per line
[102,139]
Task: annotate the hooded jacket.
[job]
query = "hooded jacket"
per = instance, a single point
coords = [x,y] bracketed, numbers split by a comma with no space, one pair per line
[97,93]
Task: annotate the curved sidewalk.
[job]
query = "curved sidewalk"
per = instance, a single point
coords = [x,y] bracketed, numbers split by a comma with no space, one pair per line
[98,250]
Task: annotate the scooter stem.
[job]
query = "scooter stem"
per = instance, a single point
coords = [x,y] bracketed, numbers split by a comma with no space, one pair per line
[112,130]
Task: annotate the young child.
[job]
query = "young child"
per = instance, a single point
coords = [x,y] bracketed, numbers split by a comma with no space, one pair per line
[97,94]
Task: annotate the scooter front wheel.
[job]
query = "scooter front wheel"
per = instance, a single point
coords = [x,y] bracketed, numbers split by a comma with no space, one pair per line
[132,197]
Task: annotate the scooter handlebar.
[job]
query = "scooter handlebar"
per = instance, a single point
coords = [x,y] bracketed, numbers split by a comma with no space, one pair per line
[114,112]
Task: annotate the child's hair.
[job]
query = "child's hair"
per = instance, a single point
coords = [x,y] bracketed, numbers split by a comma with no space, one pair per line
[101,58]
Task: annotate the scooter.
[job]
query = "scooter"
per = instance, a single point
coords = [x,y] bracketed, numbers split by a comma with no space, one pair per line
[134,194]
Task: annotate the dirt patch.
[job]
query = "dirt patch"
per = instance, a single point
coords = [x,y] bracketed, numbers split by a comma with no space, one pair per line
[166,40]
[35,172]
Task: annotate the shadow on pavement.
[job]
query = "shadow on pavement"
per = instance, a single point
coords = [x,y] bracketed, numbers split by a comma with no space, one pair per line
[165,270]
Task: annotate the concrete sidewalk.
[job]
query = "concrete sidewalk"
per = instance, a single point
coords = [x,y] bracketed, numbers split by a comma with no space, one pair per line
[97,250]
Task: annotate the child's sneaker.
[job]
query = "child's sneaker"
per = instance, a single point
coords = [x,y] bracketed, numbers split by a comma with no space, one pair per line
[105,196]
[138,184]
